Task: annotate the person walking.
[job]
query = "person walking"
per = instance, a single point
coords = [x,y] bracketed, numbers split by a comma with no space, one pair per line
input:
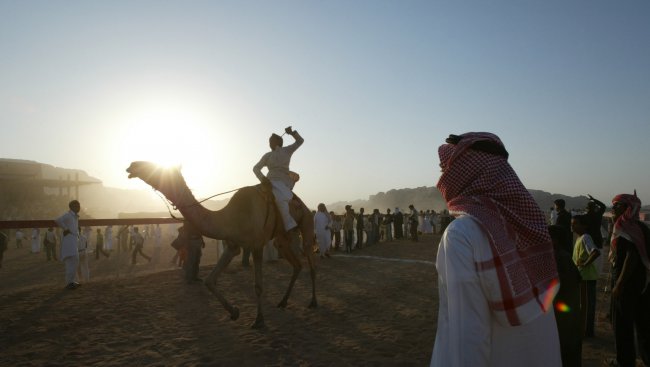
[69,222]
[138,243]
[496,268]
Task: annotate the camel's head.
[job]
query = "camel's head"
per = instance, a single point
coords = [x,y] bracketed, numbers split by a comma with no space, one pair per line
[167,180]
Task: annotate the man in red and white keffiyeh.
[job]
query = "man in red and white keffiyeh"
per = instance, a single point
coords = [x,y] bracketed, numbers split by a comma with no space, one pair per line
[631,274]
[496,269]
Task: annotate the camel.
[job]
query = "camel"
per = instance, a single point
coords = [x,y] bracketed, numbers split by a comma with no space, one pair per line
[249,221]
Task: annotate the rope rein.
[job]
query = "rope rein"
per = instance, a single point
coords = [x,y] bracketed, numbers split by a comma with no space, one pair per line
[175,207]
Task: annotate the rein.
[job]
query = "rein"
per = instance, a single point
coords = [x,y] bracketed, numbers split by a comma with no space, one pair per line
[175,207]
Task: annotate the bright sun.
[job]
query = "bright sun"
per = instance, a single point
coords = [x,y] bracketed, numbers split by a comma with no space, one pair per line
[171,137]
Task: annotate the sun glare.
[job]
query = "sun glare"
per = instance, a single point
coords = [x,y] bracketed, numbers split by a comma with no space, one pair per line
[170,137]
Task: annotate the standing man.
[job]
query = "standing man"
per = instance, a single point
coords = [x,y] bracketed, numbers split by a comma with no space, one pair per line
[19,238]
[399,222]
[277,162]
[36,240]
[348,228]
[388,222]
[336,230]
[496,269]
[360,228]
[49,242]
[69,222]
[99,245]
[585,253]
[563,216]
[595,211]
[108,238]
[631,273]
[413,223]
[195,245]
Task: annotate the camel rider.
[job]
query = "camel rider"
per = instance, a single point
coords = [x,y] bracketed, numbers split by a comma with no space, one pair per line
[277,163]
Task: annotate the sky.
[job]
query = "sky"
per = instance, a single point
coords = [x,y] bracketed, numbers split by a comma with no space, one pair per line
[374,87]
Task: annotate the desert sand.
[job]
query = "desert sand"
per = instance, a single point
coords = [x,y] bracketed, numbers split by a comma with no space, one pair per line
[377,307]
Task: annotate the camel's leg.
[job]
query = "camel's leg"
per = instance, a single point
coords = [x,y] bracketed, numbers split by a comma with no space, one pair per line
[211,280]
[286,249]
[257,262]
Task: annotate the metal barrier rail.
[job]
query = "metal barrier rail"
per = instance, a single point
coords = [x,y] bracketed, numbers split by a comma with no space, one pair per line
[15,224]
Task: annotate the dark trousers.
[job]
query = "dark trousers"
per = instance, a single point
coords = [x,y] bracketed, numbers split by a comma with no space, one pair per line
[630,313]
[399,233]
[138,250]
[414,231]
[359,238]
[349,236]
[100,249]
[192,264]
[589,314]
[50,251]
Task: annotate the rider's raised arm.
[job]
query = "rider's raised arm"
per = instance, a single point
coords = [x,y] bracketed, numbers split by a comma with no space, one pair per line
[299,140]
[257,169]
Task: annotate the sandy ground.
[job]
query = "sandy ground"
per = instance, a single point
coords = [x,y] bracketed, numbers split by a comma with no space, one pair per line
[377,307]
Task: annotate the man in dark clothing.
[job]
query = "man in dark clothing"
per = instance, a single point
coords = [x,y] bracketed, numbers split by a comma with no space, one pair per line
[563,216]
[190,238]
[398,224]
[348,227]
[595,211]
[360,228]
[631,293]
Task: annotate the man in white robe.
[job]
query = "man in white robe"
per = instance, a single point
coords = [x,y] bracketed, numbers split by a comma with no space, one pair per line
[322,225]
[36,240]
[69,222]
[278,176]
[496,268]
[108,238]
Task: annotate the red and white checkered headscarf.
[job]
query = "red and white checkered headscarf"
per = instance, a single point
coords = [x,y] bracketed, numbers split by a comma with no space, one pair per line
[627,225]
[485,186]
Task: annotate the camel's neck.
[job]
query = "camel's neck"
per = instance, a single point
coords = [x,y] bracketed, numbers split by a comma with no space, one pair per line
[213,224]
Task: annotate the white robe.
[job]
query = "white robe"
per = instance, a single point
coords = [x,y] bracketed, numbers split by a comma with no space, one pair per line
[468,334]
[322,223]
[36,240]
[108,238]
[69,243]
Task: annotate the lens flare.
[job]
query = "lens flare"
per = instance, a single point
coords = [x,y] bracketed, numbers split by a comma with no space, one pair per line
[562,307]
[550,294]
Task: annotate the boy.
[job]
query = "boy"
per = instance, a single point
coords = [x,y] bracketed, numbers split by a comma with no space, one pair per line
[584,254]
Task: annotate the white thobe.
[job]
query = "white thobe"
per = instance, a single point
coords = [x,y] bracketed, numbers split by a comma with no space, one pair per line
[468,333]
[108,238]
[70,242]
[36,240]
[277,162]
[322,222]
